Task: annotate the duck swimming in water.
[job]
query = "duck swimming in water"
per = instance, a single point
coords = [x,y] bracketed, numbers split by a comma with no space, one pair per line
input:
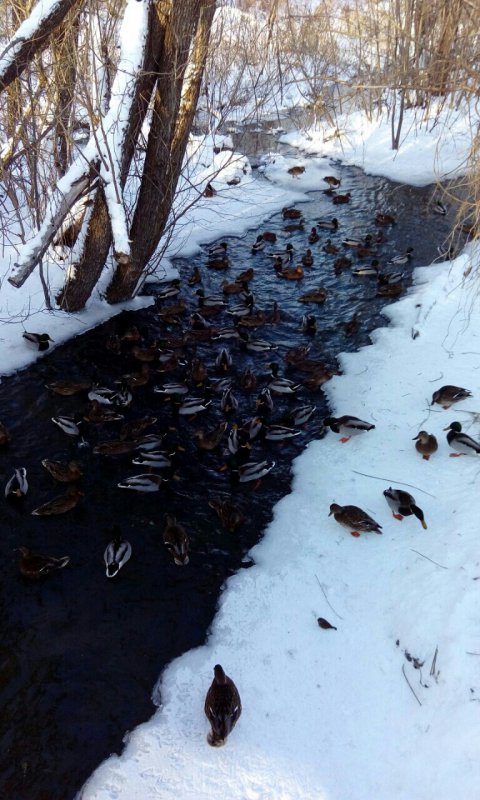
[176,541]
[116,554]
[222,707]
[17,486]
[62,471]
[59,505]
[402,504]
[35,566]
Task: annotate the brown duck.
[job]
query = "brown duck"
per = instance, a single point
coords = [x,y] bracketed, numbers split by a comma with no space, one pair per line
[35,566]
[222,707]
[426,444]
[60,504]
[230,515]
[176,541]
[354,519]
[63,471]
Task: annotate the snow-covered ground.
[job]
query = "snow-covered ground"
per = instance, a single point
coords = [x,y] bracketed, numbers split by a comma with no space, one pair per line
[347,714]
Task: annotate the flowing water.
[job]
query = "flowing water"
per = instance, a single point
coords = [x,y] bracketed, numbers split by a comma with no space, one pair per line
[80,654]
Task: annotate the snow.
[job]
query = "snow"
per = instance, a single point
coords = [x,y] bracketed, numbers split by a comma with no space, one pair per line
[345,714]
[40,13]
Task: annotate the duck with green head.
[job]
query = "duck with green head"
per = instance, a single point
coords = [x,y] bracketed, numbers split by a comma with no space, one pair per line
[463,444]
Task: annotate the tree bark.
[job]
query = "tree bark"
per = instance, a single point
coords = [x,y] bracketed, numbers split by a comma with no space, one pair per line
[186,41]
[22,47]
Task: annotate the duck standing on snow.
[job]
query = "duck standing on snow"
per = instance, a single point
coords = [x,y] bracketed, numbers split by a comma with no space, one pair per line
[117,553]
[222,707]
[347,426]
[39,341]
[446,396]
[462,444]
[426,444]
[403,505]
[354,519]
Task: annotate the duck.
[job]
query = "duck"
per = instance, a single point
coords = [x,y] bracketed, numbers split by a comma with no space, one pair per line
[238,438]
[402,504]
[101,394]
[146,483]
[446,396]
[291,213]
[366,252]
[273,316]
[209,440]
[171,389]
[157,459]
[63,471]
[294,226]
[145,354]
[463,444]
[309,324]
[355,519]
[198,372]
[341,199]
[328,225]
[117,553]
[222,707]
[319,377]
[353,243]
[4,436]
[279,433]
[224,359]
[313,236]
[248,380]
[171,290]
[35,565]
[209,301]
[135,379]
[351,327]
[439,208]
[332,181]
[135,427]
[116,447]
[330,248]
[389,289]
[252,471]
[218,385]
[281,385]
[384,219]
[68,388]
[228,402]
[218,249]
[295,172]
[296,354]
[264,402]
[259,244]
[230,515]
[426,444]
[39,341]
[293,274]
[314,296]
[347,426]
[98,414]
[192,406]
[59,505]
[256,345]
[307,259]
[343,262]
[285,255]
[235,287]
[269,236]
[372,270]
[299,415]
[218,263]
[209,191]
[17,487]
[195,277]
[176,541]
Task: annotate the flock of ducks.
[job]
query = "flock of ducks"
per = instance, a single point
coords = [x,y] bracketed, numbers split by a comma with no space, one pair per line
[193,386]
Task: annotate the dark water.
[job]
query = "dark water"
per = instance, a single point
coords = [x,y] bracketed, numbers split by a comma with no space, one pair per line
[79,654]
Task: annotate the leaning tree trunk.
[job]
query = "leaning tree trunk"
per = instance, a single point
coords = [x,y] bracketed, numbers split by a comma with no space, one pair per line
[186,43]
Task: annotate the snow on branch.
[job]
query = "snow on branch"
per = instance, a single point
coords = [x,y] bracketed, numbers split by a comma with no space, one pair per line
[31,37]
[102,155]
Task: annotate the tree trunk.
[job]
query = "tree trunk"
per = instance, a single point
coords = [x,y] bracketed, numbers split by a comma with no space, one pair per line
[186,40]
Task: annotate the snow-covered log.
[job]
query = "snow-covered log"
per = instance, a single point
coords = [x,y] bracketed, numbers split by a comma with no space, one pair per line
[31,37]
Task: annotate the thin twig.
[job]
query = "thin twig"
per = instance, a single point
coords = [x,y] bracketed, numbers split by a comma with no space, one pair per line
[326,598]
[428,559]
[410,685]
[437,379]
[469,653]
[393,480]
[434,662]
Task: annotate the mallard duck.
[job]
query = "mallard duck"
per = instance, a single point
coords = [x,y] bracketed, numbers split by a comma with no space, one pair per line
[313,236]
[343,262]
[253,320]
[279,433]
[62,471]
[135,379]
[307,259]
[17,486]
[209,300]
[230,515]
[318,378]
[332,181]
[254,471]
[330,248]
[269,236]
[354,519]
[366,252]
[389,289]
[209,440]
[282,385]
[384,219]
[100,414]
[135,427]
[439,208]
[426,444]
[39,341]
[228,402]
[171,290]
[192,406]
[341,199]
[238,438]
[198,372]
[222,707]
[68,388]
[146,483]
[328,225]
[234,288]
[101,394]
[216,250]
[35,565]
[176,540]
[403,505]
[309,324]
[4,436]
[117,447]
[224,359]
[296,354]
[219,385]
[293,274]
[446,396]
[366,272]
[151,441]
[273,316]
[463,444]
[295,172]
[195,277]
[248,380]
[291,213]
[59,505]
[157,459]
[314,296]
[264,402]
[256,345]
[240,310]
[351,327]
[347,426]
[116,554]
[353,243]
[286,255]
[294,226]
[259,244]
[299,415]
[170,389]
[218,263]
